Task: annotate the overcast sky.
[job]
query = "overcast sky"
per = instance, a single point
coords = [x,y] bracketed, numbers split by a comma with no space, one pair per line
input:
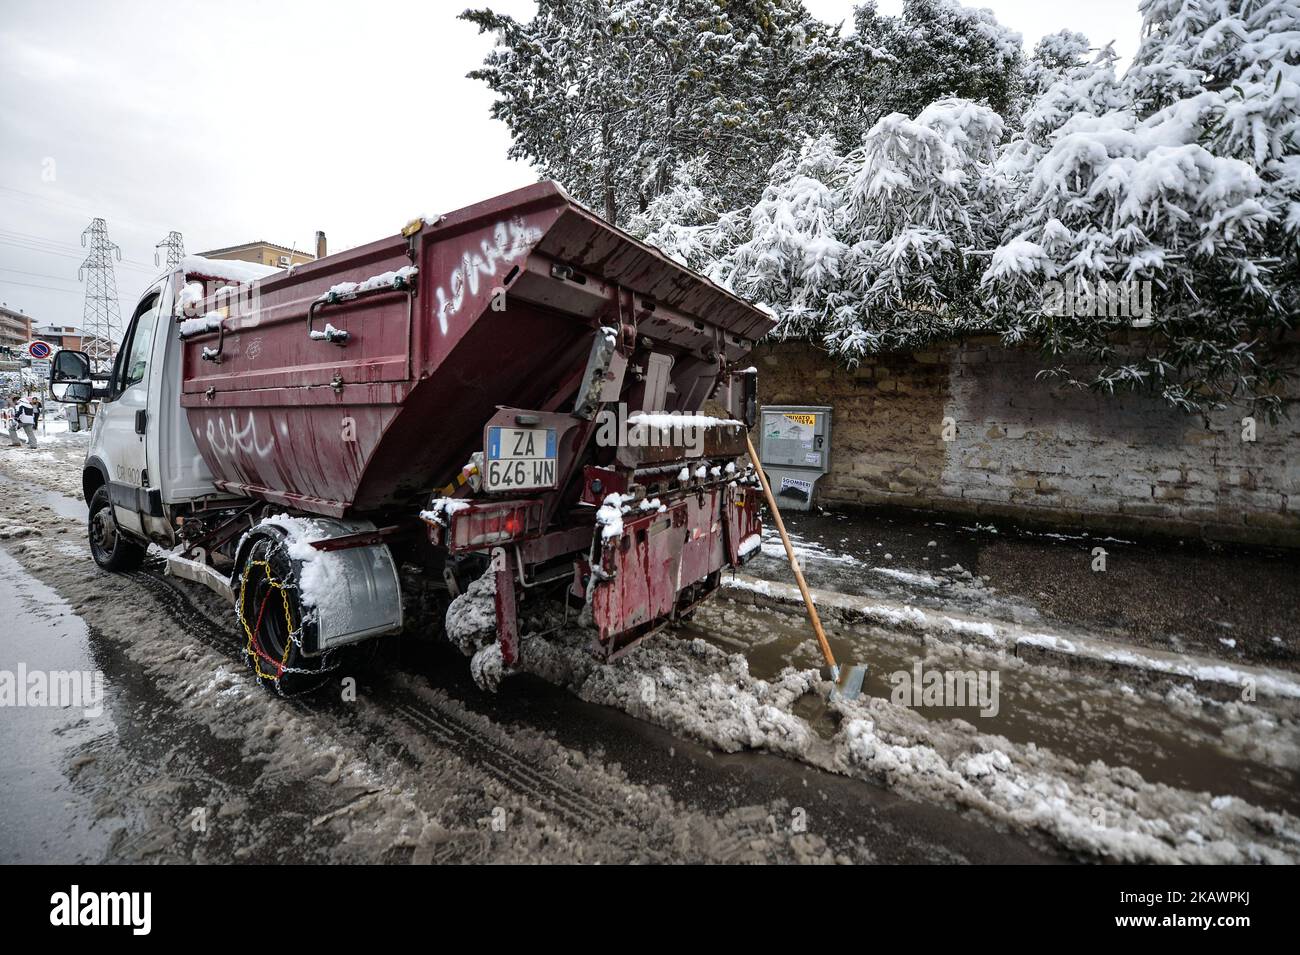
[233,121]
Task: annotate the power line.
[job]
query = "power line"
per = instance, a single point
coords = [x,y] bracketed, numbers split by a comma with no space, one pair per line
[126,264]
[54,246]
[27,195]
[48,288]
[40,246]
[14,233]
[23,244]
[39,275]
[24,195]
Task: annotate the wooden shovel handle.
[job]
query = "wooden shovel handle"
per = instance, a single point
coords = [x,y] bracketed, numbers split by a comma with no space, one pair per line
[789,553]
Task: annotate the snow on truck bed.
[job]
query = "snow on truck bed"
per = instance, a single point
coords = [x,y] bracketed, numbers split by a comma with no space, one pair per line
[227,269]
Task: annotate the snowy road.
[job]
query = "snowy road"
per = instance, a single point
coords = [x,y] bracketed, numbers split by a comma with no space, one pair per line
[191,761]
[702,746]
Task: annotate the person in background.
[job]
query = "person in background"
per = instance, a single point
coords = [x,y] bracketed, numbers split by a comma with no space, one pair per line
[27,411]
[7,420]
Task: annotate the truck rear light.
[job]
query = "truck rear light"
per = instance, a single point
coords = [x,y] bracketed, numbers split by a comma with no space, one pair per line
[478,526]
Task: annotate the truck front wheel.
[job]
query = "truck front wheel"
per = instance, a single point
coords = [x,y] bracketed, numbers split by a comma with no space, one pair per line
[111,549]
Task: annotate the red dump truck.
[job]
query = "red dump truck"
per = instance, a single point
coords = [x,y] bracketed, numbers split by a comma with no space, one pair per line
[515,396]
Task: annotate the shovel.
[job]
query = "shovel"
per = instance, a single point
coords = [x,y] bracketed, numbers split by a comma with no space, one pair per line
[848,680]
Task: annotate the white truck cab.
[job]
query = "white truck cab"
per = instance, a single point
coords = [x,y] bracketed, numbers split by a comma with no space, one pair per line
[146,483]
[142,461]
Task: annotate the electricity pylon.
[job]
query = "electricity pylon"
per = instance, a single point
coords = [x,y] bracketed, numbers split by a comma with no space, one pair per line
[101,322]
[175,247]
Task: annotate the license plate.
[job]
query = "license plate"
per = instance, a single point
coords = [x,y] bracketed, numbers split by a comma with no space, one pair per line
[520,459]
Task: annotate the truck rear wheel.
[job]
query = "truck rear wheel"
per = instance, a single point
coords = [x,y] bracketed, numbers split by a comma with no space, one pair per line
[111,549]
[273,622]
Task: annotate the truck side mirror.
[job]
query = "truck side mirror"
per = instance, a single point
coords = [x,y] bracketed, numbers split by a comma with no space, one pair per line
[72,392]
[70,379]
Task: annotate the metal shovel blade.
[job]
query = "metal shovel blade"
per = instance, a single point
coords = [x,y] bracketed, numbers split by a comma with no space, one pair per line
[848,682]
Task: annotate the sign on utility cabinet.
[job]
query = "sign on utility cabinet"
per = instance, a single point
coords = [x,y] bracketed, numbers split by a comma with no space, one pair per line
[795,450]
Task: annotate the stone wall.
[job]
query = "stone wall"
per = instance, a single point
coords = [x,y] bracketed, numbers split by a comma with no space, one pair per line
[1031,449]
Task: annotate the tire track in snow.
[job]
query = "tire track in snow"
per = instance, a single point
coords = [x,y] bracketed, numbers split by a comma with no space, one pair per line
[510,769]
[443,724]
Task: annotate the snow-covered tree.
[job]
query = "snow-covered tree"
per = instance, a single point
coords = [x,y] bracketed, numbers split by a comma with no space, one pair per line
[1054,55]
[612,96]
[860,188]
[1186,176]
[557,79]
[791,253]
[921,201]
[687,224]
[1068,86]
[869,250]
[934,49]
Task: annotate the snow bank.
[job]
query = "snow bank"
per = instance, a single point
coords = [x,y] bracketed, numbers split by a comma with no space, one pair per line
[980,628]
[806,551]
[1012,636]
[1094,809]
[689,687]
[1271,684]
[907,577]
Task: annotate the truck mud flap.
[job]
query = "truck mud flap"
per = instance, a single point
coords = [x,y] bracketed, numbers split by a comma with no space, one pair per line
[638,578]
[363,597]
[666,560]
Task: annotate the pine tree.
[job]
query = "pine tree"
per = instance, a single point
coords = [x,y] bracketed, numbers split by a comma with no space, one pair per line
[934,49]
[562,88]
[1054,55]
[612,97]
[791,254]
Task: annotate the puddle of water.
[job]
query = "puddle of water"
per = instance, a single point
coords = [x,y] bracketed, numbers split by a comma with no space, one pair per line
[1172,594]
[39,745]
[122,786]
[60,504]
[1077,719]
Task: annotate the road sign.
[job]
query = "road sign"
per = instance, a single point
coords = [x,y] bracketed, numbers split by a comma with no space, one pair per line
[39,350]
